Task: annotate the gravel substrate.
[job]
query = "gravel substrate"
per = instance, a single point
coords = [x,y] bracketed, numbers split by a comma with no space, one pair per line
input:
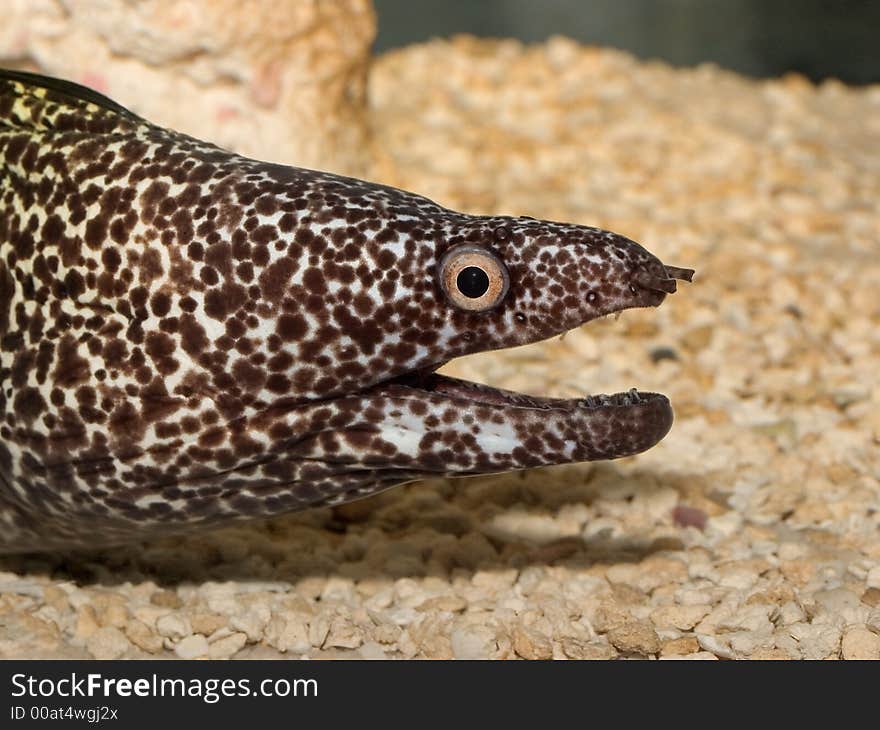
[751,531]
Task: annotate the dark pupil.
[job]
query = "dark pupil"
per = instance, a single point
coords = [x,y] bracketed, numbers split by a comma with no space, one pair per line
[473,282]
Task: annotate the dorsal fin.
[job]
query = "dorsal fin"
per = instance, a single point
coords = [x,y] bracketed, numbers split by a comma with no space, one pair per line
[68,89]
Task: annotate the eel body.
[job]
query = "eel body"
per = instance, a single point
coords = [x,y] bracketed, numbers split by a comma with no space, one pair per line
[189,337]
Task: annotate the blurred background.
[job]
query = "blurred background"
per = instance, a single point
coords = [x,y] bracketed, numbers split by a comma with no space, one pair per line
[817,38]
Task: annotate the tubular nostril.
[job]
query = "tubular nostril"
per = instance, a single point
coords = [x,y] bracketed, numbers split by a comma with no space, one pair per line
[674,272]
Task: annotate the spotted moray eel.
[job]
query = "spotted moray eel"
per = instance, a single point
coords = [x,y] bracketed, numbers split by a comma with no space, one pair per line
[189,337]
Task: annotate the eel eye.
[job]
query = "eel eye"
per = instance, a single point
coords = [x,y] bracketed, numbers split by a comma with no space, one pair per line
[473,278]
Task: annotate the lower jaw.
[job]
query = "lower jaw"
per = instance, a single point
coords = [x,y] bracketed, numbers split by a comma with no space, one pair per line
[510,426]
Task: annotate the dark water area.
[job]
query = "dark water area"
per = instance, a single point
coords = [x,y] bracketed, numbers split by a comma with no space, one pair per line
[762,38]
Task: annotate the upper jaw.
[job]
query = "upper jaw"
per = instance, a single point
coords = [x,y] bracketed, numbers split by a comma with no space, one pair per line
[650,285]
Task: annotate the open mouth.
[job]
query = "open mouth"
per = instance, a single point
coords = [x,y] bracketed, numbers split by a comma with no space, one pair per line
[466,392]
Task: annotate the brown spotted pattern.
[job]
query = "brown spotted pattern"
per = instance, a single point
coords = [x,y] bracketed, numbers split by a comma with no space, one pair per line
[189,337]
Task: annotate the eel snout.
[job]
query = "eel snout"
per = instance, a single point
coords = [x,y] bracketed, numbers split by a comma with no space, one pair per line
[661,278]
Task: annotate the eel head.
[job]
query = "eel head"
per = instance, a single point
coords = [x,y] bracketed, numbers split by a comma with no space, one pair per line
[494,283]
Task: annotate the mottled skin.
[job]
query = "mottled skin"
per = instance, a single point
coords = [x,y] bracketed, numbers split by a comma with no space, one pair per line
[189,337]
